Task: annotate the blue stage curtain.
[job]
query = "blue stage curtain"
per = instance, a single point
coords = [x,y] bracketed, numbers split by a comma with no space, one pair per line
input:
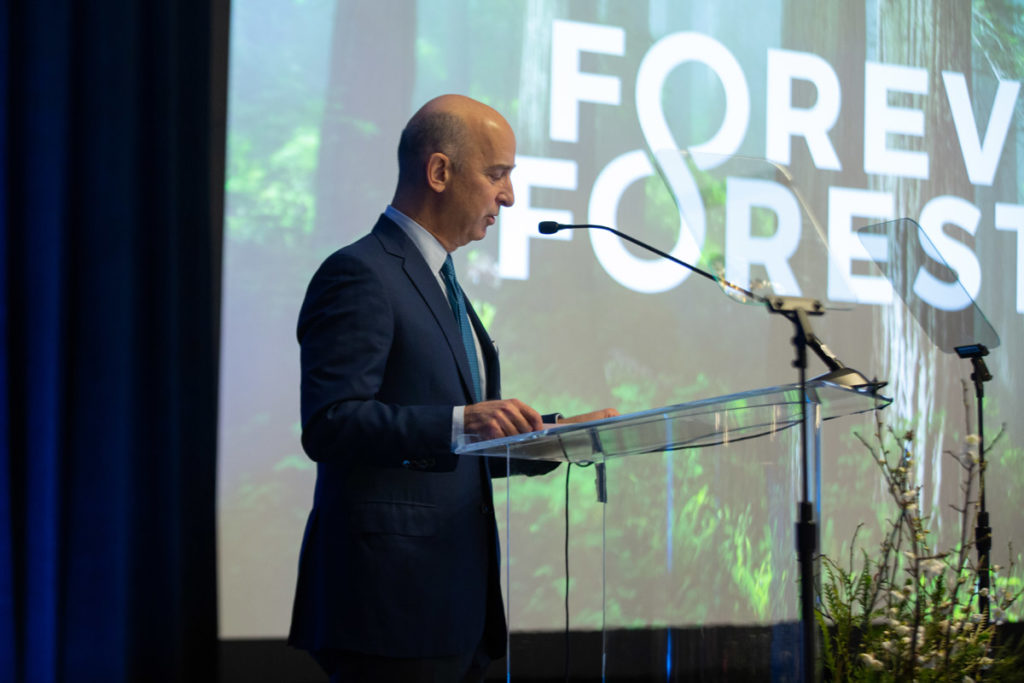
[110,256]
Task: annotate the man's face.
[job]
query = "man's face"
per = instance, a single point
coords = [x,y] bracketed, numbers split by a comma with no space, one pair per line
[482,183]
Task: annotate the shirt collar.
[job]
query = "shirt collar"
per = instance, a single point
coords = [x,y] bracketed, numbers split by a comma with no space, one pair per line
[432,250]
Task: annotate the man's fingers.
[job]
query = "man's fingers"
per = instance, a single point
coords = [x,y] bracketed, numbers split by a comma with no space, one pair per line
[494,419]
[588,417]
[532,420]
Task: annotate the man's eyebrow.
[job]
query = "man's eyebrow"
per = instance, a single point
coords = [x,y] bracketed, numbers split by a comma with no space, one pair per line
[501,167]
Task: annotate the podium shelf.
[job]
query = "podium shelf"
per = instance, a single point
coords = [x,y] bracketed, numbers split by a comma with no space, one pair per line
[708,422]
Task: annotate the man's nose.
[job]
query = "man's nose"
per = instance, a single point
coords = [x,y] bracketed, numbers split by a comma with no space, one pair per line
[507,196]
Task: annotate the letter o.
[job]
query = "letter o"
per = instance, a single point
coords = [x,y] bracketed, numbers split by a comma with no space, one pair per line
[664,56]
[648,276]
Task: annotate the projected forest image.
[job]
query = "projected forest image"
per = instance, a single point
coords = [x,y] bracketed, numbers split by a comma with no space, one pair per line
[875,111]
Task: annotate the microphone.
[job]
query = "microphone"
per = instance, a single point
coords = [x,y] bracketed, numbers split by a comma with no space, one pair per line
[551,227]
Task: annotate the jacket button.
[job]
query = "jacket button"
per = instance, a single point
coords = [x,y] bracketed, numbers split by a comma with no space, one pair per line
[485,508]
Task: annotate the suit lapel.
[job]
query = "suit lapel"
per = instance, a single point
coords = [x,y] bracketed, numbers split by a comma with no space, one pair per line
[395,242]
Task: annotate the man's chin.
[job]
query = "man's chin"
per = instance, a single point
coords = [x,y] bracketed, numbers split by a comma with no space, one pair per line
[474,236]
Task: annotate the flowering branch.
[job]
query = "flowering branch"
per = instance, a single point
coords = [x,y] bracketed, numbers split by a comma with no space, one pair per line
[911,615]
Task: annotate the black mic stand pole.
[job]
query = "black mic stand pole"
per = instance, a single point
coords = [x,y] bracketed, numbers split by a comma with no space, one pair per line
[796,311]
[982,531]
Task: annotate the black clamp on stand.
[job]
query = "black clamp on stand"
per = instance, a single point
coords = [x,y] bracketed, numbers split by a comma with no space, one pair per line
[983,531]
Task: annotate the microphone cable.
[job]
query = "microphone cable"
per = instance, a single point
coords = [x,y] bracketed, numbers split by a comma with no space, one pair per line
[568,470]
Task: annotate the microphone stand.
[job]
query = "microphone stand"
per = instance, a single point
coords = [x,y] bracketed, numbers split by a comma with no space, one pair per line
[796,310]
[983,530]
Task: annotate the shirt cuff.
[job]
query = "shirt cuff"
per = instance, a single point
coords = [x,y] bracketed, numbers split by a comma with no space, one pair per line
[458,424]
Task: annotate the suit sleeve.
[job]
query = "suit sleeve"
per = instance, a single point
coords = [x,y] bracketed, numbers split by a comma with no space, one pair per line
[345,333]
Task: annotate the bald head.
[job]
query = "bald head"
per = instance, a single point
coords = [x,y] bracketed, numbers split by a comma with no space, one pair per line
[447,124]
[455,162]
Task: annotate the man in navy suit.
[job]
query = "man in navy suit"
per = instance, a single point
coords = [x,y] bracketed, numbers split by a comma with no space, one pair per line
[398,575]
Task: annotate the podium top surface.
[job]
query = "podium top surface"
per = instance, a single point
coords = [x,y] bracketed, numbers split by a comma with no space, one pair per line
[707,422]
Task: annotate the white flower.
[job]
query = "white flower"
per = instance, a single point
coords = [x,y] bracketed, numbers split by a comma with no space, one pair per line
[968,679]
[985,661]
[903,630]
[933,567]
[983,592]
[896,595]
[868,660]
[973,439]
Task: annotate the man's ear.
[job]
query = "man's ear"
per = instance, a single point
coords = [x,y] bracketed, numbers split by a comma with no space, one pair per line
[439,171]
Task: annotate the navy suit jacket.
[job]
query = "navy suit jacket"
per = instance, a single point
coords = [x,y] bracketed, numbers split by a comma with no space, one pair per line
[399,556]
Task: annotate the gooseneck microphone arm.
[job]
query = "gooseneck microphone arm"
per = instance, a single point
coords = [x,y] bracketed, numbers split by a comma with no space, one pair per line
[796,309]
[551,227]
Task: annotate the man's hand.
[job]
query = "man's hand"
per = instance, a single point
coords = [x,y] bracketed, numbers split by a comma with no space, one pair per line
[495,419]
[588,417]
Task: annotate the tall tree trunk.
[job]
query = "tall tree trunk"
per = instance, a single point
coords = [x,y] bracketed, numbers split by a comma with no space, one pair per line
[836,32]
[535,74]
[934,35]
[372,71]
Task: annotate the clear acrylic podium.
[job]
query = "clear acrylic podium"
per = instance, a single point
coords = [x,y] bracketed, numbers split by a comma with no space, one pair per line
[666,558]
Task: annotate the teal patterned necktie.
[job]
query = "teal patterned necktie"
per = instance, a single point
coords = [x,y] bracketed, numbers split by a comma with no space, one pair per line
[458,304]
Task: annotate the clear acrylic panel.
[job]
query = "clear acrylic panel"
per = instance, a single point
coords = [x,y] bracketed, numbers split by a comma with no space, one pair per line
[932,291]
[661,560]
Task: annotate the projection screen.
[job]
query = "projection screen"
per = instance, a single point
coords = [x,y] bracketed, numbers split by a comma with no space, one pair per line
[873,110]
